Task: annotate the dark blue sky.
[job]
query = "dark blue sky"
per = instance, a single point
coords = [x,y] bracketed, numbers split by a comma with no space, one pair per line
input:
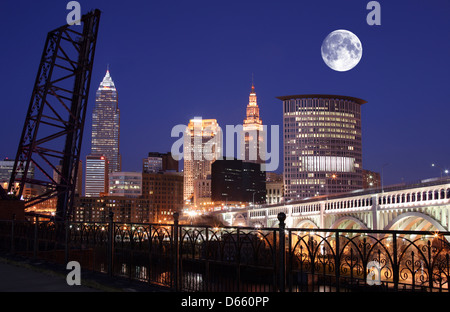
[173,60]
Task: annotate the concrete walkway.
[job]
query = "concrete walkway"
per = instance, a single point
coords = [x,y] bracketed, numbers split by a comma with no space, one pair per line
[15,278]
[18,275]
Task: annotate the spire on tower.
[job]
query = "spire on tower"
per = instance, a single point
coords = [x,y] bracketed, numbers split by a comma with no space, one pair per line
[107,82]
[253,85]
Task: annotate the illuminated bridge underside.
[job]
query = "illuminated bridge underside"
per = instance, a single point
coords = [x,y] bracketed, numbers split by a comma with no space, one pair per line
[421,207]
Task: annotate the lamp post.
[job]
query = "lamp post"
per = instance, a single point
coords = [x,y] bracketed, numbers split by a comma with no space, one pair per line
[253,195]
[440,169]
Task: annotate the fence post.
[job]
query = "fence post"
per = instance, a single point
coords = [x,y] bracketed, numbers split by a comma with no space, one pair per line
[176,255]
[111,243]
[238,260]
[66,241]
[12,232]
[282,217]
[337,262]
[395,268]
[36,243]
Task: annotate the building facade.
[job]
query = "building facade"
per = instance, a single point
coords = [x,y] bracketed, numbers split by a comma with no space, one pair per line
[97,176]
[238,181]
[253,145]
[125,184]
[202,193]
[106,124]
[159,162]
[124,209]
[202,146]
[322,145]
[164,193]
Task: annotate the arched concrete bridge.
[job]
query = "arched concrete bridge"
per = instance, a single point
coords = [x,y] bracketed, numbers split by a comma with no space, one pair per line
[422,206]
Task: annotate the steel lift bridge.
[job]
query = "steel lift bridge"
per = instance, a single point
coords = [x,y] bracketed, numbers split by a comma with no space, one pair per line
[53,129]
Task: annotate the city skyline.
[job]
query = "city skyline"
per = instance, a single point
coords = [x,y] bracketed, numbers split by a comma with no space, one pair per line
[162,85]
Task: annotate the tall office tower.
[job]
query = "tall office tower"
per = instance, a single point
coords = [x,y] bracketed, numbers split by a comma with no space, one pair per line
[253,144]
[322,145]
[106,124]
[96,181]
[202,146]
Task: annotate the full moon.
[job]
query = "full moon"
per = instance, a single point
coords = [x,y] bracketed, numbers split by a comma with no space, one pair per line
[341,50]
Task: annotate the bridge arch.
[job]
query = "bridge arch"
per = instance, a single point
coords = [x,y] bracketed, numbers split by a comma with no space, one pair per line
[414,221]
[306,224]
[239,220]
[348,222]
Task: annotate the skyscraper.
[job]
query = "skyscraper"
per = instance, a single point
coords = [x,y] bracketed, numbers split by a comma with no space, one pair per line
[322,144]
[253,144]
[202,146]
[97,180]
[106,124]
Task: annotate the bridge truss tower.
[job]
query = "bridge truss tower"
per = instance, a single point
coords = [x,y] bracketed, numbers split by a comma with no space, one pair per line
[53,130]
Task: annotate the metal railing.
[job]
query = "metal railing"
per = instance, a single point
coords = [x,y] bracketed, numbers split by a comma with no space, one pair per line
[205,258]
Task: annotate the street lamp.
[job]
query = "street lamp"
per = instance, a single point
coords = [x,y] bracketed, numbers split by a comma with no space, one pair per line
[253,195]
[440,169]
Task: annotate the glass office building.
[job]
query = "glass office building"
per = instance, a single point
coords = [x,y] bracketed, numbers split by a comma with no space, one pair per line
[96,181]
[322,145]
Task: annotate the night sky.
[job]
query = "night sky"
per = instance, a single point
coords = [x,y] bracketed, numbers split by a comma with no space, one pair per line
[173,60]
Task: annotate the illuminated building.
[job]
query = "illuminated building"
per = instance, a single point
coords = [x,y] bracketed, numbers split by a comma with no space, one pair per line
[164,193]
[274,192]
[202,192]
[322,145]
[124,209]
[202,146]
[96,181]
[253,149]
[125,184]
[106,124]
[274,188]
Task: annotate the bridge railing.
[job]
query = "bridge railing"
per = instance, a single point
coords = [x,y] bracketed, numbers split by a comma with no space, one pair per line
[346,260]
[204,258]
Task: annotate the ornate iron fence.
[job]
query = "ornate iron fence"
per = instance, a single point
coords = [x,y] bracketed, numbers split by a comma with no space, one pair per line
[204,258]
